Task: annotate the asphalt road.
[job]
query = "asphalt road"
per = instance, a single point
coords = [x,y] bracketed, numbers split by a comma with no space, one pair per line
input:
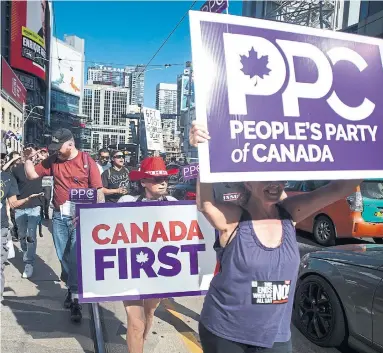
[175,328]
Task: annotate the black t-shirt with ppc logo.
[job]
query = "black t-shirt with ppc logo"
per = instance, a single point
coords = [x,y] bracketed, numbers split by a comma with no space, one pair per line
[114,179]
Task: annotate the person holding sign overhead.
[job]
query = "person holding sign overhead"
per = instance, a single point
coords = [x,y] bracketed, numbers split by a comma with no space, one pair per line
[249,303]
[153,183]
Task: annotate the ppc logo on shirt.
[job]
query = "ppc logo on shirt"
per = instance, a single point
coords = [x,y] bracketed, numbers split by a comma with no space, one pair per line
[83,195]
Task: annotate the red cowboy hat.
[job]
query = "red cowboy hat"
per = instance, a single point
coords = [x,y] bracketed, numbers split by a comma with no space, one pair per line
[151,167]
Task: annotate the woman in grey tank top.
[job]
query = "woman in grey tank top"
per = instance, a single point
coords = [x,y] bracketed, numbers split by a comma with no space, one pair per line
[249,303]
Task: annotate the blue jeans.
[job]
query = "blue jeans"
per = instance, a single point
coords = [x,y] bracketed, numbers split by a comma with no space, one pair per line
[64,238]
[27,220]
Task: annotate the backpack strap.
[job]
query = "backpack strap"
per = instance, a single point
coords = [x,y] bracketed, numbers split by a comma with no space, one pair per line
[85,160]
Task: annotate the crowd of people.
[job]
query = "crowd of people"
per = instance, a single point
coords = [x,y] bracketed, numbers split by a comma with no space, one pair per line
[257,240]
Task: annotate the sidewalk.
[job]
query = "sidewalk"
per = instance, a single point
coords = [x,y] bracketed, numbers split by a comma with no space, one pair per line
[33,319]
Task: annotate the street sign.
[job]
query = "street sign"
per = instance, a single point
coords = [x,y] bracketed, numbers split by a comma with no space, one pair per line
[216,6]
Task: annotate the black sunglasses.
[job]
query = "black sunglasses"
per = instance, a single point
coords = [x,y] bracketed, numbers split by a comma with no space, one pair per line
[159,180]
[118,156]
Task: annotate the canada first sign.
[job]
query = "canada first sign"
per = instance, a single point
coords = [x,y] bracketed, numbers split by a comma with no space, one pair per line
[286,102]
[143,250]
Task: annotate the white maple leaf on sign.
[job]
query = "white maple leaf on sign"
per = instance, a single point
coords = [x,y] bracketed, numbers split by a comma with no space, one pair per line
[142,258]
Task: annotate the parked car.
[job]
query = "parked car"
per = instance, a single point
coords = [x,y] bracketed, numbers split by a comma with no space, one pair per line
[359,215]
[184,190]
[339,297]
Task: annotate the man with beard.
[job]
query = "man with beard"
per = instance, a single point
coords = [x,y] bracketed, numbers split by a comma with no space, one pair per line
[103,160]
[71,169]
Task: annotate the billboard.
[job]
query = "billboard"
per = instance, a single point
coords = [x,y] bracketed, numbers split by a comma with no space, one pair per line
[11,84]
[28,36]
[185,92]
[66,72]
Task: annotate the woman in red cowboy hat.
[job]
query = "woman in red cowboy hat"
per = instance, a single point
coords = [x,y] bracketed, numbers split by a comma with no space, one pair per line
[153,183]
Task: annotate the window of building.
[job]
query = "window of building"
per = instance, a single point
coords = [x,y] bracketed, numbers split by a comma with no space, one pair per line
[10,120]
[105,140]
[107,108]
[363,10]
[2,116]
[374,7]
[122,139]
[96,141]
[113,139]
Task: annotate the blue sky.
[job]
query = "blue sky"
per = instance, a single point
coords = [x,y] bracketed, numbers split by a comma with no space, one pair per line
[129,32]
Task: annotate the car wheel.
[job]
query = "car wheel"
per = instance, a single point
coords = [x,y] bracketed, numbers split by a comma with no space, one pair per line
[378,240]
[324,231]
[318,312]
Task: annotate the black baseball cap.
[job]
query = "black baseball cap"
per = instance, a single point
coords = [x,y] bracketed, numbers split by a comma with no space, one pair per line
[59,138]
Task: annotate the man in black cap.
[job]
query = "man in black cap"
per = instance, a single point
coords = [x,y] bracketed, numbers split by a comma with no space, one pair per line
[71,169]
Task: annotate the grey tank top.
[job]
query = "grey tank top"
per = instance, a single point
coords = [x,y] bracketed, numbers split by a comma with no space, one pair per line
[250,300]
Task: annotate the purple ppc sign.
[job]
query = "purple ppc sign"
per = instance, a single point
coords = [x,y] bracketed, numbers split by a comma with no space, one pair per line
[216,6]
[83,195]
[285,102]
[190,171]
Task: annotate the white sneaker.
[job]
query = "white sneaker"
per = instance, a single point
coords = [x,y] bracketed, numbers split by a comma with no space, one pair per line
[28,271]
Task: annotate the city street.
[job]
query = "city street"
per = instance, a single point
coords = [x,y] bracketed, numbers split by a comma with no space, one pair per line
[33,319]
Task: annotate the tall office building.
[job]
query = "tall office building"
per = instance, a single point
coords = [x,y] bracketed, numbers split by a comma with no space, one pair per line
[67,79]
[106,75]
[166,98]
[171,136]
[131,77]
[135,81]
[106,106]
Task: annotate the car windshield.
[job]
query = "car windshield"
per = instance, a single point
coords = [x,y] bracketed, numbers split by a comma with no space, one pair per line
[372,189]
[292,185]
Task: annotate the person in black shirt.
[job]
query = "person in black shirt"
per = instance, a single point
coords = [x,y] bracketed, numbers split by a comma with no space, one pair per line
[115,180]
[28,216]
[8,194]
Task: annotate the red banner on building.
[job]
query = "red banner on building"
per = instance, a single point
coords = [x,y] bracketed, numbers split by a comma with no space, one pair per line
[28,32]
[11,84]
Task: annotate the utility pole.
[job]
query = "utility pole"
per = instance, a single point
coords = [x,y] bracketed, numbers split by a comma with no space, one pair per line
[190,66]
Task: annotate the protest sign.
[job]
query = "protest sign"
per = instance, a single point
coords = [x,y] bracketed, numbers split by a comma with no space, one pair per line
[216,6]
[190,171]
[286,102]
[153,129]
[143,250]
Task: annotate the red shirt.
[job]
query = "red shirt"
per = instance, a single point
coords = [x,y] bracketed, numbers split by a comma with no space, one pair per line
[68,175]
